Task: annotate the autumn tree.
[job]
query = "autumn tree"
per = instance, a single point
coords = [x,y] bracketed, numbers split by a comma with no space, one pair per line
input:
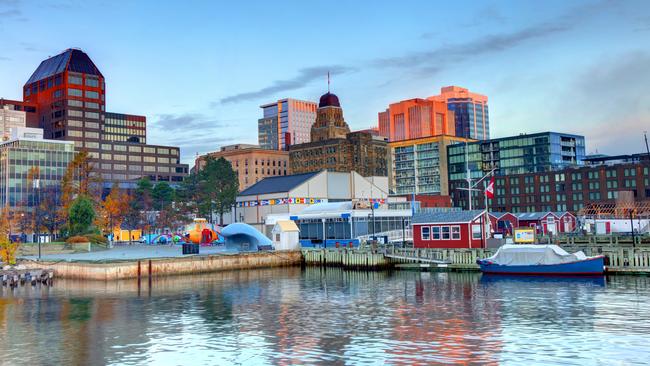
[113,209]
[7,248]
[79,179]
[47,214]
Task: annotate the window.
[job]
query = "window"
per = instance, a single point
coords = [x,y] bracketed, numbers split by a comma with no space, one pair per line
[445,232]
[92,105]
[72,113]
[92,82]
[92,94]
[92,135]
[93,115]
[74,92]
[75,103]
[455,232]
[73,79]
[476,231]
[435,232]
[425,233]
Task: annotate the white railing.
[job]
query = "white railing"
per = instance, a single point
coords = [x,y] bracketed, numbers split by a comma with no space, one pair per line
[393,235]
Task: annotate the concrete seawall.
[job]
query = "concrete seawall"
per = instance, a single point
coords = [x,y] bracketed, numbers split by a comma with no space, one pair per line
[167,266]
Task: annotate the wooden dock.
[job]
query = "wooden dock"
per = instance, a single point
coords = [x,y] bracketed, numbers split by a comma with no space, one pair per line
[618,259]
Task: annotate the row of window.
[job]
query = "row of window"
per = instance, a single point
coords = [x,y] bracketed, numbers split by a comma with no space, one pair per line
[447,232]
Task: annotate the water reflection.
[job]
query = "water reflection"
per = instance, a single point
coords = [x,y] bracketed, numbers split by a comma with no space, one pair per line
[293,316]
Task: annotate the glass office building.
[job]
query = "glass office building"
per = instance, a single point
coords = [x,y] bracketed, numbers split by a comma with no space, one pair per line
[533,153]
[46,159]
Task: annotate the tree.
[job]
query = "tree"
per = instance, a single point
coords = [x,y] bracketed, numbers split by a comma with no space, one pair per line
[113,209]
[7,248]
[163,196]
[47,214]
[79,179]
[81,215]
[218,186]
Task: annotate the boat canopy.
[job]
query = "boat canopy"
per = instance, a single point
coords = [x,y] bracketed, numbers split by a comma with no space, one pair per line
[531,254]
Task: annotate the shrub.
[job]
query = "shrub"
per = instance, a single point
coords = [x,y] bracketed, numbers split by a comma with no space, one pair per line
[77,239]
[97,239]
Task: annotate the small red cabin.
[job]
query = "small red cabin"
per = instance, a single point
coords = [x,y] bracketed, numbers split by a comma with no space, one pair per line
[566,221]
[450,229]
[543,222]
[503,223]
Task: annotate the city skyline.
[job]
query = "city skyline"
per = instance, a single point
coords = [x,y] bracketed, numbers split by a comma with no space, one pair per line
[208,67]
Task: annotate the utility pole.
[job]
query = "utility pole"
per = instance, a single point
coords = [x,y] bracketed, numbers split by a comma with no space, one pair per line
[645,136]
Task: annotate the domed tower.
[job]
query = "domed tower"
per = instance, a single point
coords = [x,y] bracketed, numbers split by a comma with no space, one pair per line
[329,120]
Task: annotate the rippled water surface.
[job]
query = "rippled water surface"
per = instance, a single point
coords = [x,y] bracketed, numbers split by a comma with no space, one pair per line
[293,316]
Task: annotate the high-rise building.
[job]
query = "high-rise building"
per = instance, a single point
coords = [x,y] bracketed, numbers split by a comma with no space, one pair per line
[69,93]
[416,118]
[471,117]
[526,153]
[250,162]
[419,166]
[334,148]
[26,151]
[285,122]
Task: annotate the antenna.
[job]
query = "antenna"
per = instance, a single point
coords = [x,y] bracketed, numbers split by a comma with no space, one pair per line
[645,135]
[328,82]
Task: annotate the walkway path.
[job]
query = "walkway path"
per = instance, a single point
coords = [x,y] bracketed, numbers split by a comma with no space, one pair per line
[131,252]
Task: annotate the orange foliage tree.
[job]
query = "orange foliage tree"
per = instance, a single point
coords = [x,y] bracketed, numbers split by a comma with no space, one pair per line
[113,209]
[79,179]
[7,248]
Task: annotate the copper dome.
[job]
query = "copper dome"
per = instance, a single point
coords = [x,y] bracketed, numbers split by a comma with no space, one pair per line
[329,100]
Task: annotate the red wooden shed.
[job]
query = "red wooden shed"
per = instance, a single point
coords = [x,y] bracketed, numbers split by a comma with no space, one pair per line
[450,229]
[543,222]
[503,223]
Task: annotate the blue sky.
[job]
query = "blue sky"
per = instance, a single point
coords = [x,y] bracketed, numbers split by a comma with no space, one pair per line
[199,70]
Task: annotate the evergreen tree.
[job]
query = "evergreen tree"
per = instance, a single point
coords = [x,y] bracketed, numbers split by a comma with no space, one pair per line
[218,186]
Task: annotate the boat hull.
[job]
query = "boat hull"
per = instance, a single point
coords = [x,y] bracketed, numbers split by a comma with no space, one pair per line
[590,266]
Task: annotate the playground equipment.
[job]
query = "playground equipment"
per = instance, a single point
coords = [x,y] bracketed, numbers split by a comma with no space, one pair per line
[202,232]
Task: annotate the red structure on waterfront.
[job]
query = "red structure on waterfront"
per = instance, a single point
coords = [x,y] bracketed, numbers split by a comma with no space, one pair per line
[450,229]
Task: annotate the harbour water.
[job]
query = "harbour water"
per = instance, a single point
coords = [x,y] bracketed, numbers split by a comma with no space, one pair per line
[328,316]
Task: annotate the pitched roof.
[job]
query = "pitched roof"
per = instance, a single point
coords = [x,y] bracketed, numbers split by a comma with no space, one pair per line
[532,215]
[287,225]
[447,216]
[498,215]
[70,60]
[562,213]
[278,184]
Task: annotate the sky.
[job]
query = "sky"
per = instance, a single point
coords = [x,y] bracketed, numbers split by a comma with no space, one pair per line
[199,70]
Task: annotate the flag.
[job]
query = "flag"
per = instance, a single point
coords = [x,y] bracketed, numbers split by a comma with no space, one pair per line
[489,190]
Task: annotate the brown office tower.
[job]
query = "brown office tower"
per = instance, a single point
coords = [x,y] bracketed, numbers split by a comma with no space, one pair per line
[69,93]
[333,147]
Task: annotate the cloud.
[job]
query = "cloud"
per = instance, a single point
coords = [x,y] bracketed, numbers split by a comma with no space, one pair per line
[613,102]
[489,14]
[304,77]
[192,132]
[186,121]
[440,57]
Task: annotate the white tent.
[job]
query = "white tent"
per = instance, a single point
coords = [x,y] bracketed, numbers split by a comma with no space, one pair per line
[286,235]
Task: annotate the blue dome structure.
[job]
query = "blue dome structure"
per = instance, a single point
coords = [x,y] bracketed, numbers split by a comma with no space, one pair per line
[244,237]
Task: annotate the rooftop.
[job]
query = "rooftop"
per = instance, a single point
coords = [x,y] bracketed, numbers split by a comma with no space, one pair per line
[278,184]
[452,217]
[74,60]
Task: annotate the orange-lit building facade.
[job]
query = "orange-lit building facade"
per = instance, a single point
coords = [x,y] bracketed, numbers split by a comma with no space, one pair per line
[416,118]
[471,118]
